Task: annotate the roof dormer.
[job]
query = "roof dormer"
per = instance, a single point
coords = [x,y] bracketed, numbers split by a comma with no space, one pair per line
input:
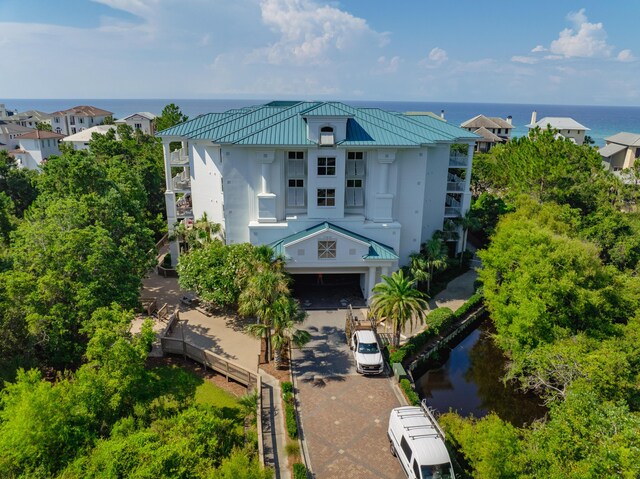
[327,123]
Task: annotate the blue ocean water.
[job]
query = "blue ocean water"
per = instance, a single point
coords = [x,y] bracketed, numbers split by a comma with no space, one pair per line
[603,121]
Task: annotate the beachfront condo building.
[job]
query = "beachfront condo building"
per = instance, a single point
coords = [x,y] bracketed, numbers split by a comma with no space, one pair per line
[143,121]
[493,130]
[332,188]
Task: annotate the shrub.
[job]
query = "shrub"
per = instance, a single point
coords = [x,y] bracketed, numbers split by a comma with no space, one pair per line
[439,319]
[290,419]
[287,387]
[292,448]
[299,471]
[166,261]
[410,394]
[471,303]
[397,356]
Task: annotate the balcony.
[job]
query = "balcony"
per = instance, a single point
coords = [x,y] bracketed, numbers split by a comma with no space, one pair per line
[457,160]
[452,207]
[182,181]
[180,157]
[455,183]
[184,208]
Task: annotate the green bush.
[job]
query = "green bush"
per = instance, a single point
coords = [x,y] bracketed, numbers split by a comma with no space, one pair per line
[290,419]
[287,397]
[299,471]
[471,303]
[411,395]
[287,387]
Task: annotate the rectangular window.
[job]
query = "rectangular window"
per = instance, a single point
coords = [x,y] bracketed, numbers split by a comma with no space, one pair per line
[81,120]
[326,166]
[137,126]
[326,197]
[354,193]
[406,448]
[295,179]
[326,249]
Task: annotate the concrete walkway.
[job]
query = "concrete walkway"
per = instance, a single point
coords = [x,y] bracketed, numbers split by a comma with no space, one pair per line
[223,335]
[457,292]
[273,427]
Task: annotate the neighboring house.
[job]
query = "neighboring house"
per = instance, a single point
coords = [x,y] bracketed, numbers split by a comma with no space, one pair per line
[31,118]
[6,115]
[9,132]
[35,147]
[621,151]
[80,141]
[567,127]
[334,189]
[78,118]
[493,130]
[143,121]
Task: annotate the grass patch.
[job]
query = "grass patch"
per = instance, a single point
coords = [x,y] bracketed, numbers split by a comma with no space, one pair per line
[208,393]
[187,385]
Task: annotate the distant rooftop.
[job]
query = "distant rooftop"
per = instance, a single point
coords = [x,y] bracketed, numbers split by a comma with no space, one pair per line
[481,121]
[624,138]
[144,114]
[40,135]
[83,110]
[85,135]
[558,123]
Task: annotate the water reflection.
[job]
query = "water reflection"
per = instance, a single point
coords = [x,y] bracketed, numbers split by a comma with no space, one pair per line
[470,382]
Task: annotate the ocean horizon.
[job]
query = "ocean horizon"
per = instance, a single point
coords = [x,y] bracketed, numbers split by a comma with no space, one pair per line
[602,121]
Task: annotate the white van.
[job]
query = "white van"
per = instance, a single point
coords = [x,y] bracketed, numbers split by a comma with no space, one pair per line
[418,442]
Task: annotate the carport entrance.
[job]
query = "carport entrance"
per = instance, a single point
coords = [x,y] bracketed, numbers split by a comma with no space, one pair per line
[328,290]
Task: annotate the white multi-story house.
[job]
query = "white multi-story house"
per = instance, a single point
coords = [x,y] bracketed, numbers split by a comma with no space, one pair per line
[35,147]
[567,127]
[78,118]
[332,188]
[80,140]
[143,121]
[9,132]
[493,130]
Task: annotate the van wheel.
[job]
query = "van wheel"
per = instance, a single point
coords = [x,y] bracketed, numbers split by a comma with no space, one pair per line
[392,449]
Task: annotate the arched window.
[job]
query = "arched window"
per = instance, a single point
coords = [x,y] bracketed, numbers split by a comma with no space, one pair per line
[327,138]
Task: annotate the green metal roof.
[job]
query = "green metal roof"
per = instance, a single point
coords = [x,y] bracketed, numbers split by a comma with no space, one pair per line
[377,251]
[284,124]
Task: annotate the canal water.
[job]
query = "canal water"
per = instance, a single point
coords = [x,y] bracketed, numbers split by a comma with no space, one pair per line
[469,381]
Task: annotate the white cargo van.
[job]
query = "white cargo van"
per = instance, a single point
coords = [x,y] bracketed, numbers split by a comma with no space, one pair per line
[418,442]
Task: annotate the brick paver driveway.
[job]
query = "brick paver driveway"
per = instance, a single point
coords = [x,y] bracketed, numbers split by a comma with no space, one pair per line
[344,415]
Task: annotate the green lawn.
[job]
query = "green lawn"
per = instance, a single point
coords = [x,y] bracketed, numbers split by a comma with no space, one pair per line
[186,385]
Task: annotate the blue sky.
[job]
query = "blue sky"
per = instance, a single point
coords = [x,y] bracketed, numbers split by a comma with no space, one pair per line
[416,50]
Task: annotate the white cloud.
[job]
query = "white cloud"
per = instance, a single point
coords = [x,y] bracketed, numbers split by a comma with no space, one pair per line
[522,59]
[386,66]
[538,48]
[437,56]
[584,40]
[310,33]
[626,56]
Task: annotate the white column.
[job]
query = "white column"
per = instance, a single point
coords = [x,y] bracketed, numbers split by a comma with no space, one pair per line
[385,271]
[167,164]
[371,281]
[383,184]
[265,177]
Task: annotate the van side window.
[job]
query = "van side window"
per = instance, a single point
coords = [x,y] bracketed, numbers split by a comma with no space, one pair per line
[406,448]
[416,469]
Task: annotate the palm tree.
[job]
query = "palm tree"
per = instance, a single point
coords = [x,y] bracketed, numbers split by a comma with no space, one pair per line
[396,299]
[260,298]
[287,314]
[201,232]
[418,268]
[434,252]
[468,222]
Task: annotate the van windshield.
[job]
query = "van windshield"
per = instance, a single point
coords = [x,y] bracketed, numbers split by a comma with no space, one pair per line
[368,348]
[436,471]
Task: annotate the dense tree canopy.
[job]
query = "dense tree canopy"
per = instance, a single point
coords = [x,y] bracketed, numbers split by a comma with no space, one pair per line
[171,115]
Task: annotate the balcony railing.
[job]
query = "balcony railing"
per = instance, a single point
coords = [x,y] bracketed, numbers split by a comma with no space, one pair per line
[180,157]
[458,159]
[182,181]
[455,183]
[452,211]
